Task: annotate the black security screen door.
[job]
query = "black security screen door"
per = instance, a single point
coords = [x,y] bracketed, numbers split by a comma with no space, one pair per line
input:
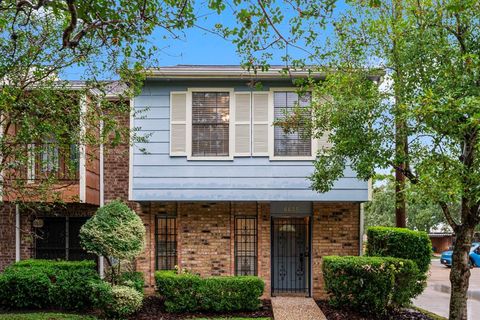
[290,257]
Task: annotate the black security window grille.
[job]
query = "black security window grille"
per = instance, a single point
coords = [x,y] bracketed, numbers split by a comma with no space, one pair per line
[58,238]
[246,245]
[166,240]
[296,143]
[210,123]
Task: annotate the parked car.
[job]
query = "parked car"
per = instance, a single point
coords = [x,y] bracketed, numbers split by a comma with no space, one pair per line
[446,258]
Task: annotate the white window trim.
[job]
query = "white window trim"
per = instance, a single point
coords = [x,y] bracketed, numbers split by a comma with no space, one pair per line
[185,122]
[231,124]
[254,122]
[249,122]
[271,136]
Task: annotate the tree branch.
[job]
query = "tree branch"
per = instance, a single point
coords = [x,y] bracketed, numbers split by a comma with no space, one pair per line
[448,216]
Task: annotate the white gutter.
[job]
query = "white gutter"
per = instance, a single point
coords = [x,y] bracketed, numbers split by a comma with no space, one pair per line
[17,232]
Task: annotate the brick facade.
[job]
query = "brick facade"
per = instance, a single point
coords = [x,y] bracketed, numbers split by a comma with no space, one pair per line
[205,241]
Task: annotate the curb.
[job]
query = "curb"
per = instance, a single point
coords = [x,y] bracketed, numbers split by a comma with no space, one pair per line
[471,294]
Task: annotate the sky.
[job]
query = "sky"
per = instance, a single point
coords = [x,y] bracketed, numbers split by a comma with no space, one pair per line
[197,46]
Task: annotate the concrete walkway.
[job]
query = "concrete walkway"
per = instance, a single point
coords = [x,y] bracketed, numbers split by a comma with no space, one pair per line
[296,308]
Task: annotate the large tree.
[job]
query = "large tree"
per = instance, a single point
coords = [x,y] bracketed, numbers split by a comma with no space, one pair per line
[41,116]
[424,124]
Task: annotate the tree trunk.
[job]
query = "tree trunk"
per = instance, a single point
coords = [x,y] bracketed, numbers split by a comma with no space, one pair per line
[460,273]
[400,203]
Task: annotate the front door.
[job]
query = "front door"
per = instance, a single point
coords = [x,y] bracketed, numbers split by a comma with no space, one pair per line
[290,256]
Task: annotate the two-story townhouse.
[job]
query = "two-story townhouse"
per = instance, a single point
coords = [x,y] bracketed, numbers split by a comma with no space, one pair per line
[220,188]
[223,191]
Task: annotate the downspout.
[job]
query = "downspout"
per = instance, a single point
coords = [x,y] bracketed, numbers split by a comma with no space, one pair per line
[361,228]
[101,267]
[17,232]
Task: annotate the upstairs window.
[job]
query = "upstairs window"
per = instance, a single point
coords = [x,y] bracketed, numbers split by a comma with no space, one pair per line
[296,144]
[210,124]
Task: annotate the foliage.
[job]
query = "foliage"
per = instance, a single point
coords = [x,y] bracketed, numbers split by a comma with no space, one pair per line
[422,213]
[400,243]
[115,231]
[371,285]
[423,123]
[133,279]
[188,292]
[116,302]
[43,41]
[46,284]
[25,288]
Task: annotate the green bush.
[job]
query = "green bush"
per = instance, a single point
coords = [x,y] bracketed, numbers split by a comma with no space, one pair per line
[24,289]
[372,285]
[114,231]
[181,291]
[133,279]
[116,302]
[230,293]
[44,283]
[189,293]
[400,243]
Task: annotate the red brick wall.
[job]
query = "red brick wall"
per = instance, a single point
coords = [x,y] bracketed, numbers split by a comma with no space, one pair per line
[206,244]
[335,231]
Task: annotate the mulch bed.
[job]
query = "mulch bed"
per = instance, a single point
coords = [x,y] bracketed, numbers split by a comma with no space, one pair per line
[342,314]
[153,308]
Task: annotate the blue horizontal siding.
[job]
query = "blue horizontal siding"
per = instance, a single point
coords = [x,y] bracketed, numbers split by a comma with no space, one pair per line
[157,176]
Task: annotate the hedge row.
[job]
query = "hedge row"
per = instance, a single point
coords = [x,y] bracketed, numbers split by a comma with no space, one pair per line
[47,284]
[400,243]
[189,293]
[371,284]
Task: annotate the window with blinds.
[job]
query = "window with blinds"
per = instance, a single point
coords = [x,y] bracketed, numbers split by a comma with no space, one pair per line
[210,123]
[290,144]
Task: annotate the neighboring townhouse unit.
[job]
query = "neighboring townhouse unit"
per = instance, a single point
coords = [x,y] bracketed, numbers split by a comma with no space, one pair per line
[48,228]
[221,190]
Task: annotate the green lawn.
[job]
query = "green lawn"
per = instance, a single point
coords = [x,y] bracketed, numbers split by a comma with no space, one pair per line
[43,316]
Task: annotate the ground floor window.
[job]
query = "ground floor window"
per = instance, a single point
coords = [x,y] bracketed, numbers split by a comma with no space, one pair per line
[58,238]
[246,245]
[166,242]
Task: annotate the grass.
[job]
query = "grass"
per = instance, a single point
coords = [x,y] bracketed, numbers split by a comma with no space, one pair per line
[43,316]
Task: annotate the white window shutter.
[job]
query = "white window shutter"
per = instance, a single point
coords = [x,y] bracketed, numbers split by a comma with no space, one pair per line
[242,123]
[260,123]
[178,123]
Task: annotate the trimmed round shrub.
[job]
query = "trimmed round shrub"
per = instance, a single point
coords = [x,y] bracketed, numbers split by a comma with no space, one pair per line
[114,231]
[116,302]
[372,285]
[400,243]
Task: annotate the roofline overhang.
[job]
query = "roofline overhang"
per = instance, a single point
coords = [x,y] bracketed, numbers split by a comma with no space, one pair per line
[172,73]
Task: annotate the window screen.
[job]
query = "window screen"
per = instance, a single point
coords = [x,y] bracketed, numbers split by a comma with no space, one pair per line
[246,245]
[290,144]
[166,239]
[210,123]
